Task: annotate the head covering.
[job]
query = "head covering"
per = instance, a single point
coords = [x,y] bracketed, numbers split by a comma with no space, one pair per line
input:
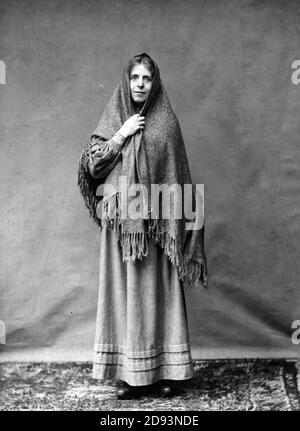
[155,155]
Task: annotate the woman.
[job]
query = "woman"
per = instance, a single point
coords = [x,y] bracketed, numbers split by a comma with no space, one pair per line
[146,260]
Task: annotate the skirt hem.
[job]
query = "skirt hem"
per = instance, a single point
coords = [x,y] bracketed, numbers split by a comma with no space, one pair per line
[106,374]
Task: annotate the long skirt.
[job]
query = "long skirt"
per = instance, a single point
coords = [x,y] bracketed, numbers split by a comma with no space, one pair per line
[141,327]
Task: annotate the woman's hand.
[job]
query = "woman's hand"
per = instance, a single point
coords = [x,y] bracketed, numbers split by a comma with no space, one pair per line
[132,125]
[95,146]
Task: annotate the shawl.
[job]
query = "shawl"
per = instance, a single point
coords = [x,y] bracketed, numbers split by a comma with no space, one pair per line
[154,155]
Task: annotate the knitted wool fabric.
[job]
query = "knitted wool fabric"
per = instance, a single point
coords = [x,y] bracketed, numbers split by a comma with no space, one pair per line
[156,155]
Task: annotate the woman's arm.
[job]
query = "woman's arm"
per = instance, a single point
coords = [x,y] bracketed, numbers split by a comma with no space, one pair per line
[104,155]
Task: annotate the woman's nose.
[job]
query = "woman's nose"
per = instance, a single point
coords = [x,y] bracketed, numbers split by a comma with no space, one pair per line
[140,82]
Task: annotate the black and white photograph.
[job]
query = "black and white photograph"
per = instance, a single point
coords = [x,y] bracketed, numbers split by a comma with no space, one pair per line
[150,217]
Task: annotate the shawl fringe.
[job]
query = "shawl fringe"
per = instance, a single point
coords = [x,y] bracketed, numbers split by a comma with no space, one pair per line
[135,244]
[85,183]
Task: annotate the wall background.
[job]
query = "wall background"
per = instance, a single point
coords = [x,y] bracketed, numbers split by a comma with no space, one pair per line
[227,69]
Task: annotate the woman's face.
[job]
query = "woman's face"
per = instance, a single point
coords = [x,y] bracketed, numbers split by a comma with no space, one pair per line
[140,83]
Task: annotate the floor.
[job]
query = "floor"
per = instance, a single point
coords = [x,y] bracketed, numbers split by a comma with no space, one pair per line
[217,385]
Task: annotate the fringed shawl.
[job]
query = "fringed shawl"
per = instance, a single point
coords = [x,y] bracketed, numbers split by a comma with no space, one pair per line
[155,155]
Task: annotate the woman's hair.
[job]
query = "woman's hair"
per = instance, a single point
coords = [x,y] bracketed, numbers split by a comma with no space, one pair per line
[142,59]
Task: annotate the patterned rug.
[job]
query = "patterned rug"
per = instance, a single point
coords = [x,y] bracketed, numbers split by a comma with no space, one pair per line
[217,385]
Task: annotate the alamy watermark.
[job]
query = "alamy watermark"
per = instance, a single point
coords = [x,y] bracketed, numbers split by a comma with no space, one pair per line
[2,72]
[166,202]
[2,332]
[296,333]
[295,78]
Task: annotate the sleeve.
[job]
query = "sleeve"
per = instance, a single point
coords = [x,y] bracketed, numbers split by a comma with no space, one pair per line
[104,155]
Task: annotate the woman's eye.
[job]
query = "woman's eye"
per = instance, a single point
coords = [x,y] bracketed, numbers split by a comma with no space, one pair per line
[135,78]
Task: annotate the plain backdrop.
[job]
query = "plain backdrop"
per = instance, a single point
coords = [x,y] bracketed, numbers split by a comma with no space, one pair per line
[226,66]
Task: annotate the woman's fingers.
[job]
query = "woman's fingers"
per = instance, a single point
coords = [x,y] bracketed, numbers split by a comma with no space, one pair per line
[140,122]
[95,147]
[133,124]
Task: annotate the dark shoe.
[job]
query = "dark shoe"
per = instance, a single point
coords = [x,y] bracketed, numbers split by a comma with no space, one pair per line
[125,391]
[166,391]
[170,389]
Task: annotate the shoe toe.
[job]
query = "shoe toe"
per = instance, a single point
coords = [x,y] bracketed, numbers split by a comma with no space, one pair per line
[124,393]
[170,390]
[166,391]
